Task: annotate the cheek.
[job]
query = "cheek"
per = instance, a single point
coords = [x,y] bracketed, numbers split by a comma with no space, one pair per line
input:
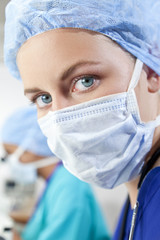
[113,84]
[42,113]
[145,98]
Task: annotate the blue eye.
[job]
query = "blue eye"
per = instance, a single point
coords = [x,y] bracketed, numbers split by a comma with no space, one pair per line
[43,100]
[87,81]
[84,83]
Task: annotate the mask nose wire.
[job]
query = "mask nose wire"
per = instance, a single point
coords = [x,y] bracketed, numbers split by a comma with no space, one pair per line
[136,74]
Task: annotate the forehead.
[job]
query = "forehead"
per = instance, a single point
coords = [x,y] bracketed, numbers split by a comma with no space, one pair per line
[67,40]
[53,51]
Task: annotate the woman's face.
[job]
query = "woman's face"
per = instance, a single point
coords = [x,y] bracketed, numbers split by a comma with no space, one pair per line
[65,67]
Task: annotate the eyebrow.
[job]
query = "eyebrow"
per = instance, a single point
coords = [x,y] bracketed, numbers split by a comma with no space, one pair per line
[32,90]
[65,74]
[74,67]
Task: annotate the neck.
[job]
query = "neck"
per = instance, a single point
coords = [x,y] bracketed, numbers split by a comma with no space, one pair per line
[132,191]
[132,185]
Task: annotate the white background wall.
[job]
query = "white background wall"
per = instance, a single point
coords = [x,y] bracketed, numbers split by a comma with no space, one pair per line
[11,97]
[11,94]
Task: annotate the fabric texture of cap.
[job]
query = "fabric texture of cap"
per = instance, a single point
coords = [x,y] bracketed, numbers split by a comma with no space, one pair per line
[21,128]
[133,24]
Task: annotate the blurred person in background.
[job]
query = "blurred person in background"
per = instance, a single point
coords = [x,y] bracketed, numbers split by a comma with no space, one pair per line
[67,208]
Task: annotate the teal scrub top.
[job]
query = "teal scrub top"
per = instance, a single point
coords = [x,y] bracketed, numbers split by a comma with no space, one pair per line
[67,210]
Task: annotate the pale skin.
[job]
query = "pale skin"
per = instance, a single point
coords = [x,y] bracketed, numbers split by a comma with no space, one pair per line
[45,172]
[79,65]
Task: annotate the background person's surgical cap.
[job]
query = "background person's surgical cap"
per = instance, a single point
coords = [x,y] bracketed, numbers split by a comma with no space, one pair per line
[21,128]
[133,24]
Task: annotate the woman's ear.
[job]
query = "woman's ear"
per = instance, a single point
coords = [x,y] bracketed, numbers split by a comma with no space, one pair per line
[153,80]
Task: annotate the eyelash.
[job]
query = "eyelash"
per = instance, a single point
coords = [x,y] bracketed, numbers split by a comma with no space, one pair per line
[82,77]
[34,98]
[31,102]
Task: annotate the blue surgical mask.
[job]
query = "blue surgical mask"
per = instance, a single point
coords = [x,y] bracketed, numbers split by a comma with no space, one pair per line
[103,141]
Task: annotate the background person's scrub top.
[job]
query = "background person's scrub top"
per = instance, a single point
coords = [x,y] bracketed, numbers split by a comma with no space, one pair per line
[75,214]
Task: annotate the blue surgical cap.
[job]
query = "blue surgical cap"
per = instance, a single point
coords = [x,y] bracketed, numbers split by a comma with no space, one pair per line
[21,128]
[133,24]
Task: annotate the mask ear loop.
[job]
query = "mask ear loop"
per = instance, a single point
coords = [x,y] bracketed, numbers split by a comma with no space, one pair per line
[132,105]
[18,152]
[44,162]
[136,74]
